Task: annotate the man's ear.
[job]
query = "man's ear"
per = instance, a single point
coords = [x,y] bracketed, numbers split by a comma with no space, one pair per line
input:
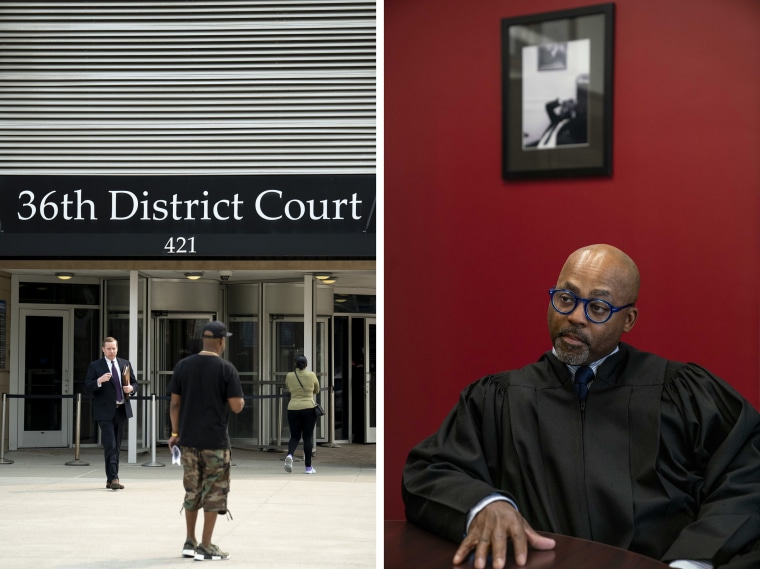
[630,318]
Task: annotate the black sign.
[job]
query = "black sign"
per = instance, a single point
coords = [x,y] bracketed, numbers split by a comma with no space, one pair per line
[187,216]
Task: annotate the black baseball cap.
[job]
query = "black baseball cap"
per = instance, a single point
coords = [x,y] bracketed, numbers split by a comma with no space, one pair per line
[217,329]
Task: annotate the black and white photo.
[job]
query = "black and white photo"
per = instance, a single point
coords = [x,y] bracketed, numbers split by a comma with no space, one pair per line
[557,93]
[555,99]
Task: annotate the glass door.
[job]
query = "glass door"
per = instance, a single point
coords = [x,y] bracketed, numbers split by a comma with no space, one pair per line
[288,342]
[370,382]
[176,337]
[355,378]
[243,353]
[45,369]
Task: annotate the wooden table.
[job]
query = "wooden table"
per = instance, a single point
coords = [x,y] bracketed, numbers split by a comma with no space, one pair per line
[407,546]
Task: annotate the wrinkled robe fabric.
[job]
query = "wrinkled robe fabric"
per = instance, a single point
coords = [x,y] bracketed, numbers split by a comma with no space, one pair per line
[664,461]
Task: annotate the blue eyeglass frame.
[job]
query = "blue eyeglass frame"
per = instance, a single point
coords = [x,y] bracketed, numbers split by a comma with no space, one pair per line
[585,301]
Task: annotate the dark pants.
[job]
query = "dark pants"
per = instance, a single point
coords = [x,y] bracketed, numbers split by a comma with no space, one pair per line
[301,424]
[111,433]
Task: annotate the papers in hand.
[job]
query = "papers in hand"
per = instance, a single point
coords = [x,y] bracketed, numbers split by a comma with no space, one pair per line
[176,455]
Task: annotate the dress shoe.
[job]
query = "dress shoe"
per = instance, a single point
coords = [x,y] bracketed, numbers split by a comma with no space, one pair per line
[115,485]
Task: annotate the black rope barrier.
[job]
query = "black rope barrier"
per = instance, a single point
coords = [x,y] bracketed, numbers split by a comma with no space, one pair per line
[79,396]
[28,396]
[136,398]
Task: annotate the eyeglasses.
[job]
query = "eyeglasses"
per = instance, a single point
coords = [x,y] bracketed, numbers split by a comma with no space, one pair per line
[597,310]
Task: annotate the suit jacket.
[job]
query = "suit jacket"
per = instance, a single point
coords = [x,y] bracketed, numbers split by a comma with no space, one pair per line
[104,397]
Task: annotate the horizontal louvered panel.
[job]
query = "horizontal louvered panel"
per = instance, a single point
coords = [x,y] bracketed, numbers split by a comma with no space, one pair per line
[198,87]
[197,111]
[123,11]
[192,127]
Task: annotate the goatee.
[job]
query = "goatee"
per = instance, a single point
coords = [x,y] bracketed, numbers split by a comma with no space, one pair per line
[576,356]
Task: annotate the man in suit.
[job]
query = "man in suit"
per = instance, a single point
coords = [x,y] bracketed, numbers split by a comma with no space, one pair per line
[112,382]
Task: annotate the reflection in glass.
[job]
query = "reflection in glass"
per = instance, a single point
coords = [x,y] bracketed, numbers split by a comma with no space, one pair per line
[44,373]
[243,353]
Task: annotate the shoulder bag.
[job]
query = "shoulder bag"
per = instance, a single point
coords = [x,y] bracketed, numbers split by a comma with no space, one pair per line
[317,407]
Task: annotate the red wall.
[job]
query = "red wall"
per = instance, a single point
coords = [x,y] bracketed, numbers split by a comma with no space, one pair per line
[468,257]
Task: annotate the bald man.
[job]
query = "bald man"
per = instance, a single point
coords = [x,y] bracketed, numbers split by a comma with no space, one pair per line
[595,440]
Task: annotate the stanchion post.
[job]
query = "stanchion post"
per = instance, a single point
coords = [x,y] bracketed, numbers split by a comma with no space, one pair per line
[4,460]
[153,437]
[76,461]
[331,419]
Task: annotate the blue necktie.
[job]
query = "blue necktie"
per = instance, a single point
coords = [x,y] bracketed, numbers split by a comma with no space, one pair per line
[582,377]
[116,383]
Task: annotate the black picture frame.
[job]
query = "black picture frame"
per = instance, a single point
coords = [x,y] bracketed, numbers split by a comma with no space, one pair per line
[557,80]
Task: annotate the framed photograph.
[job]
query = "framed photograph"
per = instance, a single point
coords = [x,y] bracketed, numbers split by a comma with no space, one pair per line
[557,93]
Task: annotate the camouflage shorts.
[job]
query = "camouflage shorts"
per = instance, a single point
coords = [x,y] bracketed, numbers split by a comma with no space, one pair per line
[207,479]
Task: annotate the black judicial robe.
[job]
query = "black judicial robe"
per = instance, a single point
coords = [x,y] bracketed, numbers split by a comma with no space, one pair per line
[664,464]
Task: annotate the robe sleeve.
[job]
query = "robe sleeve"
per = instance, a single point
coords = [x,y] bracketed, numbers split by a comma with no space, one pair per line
[711,447]
[448,473]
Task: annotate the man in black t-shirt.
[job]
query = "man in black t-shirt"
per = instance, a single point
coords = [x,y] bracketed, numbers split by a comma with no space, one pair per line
[204,388]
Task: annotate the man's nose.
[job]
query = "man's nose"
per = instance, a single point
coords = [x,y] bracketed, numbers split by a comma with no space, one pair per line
[578,315]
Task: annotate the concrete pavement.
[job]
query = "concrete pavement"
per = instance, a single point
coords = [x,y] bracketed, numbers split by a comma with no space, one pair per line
[53,515]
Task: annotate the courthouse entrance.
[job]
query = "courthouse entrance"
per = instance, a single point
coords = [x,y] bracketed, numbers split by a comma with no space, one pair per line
[61,327]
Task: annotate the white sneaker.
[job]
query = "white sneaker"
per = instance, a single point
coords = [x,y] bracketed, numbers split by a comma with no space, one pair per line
[310,470]
[288,463]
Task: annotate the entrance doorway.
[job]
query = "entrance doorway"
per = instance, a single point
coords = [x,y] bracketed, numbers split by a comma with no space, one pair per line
[287,343]
[44,418]
[370,381]
[355,379]
[243,349]
[176,336]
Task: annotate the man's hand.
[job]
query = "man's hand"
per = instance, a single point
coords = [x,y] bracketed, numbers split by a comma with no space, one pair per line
[489,531]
